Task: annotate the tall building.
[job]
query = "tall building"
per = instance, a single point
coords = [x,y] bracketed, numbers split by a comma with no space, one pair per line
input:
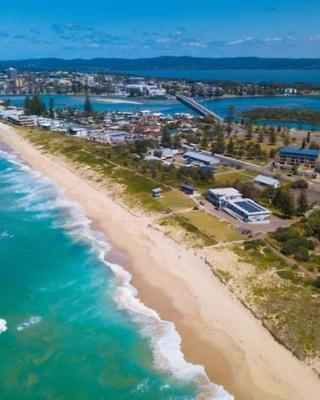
[12,73]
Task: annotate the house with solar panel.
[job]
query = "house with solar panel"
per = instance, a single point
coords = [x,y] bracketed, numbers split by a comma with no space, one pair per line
[290,157]
[231,201]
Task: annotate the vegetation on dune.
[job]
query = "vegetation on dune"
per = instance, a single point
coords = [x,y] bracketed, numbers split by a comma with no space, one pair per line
[284,114]
[287,302]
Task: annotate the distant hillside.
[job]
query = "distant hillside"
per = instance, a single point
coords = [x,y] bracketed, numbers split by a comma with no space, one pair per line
[164,63]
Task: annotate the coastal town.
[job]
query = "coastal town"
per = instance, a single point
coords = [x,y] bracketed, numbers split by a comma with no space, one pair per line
[13,81]
[240,193]
[198,140]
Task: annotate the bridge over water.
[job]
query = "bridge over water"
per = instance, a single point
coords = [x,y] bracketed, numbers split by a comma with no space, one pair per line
[199,108]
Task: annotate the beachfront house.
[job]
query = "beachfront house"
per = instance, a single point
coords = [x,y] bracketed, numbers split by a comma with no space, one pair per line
[266,181]
[165,153]
[200,158]
[231,201]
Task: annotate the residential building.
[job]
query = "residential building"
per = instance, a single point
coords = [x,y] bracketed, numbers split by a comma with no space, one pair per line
[231,201]
[200,158]
[290,157]
[263,180]
[165,153]
[12,73]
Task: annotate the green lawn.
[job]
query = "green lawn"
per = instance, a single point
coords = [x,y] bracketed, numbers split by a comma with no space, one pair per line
[176,200]
[220,231]
[229,178]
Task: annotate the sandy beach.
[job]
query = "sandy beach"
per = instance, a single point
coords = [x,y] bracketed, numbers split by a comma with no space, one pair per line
[115,101]
[217,330]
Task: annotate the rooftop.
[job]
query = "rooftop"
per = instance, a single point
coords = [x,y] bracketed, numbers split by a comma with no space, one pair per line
[249,206]
[225,192]
[201,157]
[266,180]
[299,151]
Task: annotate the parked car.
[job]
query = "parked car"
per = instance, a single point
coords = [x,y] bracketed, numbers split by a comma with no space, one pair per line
[246,232]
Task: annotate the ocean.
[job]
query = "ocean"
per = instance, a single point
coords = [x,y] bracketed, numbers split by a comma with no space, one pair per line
[71,324]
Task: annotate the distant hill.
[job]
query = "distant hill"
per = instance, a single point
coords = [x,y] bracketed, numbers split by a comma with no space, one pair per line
[162,63]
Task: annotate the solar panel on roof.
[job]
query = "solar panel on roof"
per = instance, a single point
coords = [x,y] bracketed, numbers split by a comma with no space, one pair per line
[249,207]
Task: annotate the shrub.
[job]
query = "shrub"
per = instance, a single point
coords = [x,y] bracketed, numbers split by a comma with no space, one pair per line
[301,254]
[313,224]
[316,283]
[294,245]
[299,184]
[253,244]
[284,234]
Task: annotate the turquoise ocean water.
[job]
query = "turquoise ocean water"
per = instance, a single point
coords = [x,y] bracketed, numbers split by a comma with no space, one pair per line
[71,326]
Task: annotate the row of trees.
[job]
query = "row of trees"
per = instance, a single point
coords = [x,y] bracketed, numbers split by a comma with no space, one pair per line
[283,113]
[35,106]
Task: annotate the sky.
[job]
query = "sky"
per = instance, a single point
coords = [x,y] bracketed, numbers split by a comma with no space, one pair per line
[148,28]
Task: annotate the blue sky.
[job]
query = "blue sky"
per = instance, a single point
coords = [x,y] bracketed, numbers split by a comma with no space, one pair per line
[140,28]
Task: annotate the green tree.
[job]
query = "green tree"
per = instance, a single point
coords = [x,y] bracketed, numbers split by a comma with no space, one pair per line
[87,108]
[219,146]
[166,137]
[285,202]
[176,143]
[230,146]
[231,114]
[272,137]
[308,138]
[34,105]
[249,131]
[303,204]
[51,107]
[26,105]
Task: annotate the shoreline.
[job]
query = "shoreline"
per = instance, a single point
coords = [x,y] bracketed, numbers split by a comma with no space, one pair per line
[217,330]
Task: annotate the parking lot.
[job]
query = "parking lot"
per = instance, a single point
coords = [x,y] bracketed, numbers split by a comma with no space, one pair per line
[240,226]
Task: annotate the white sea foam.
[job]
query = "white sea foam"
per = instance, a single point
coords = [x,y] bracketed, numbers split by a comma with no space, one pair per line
[34,320]
[142,387]
[165,340]
[6,235]
[3,325]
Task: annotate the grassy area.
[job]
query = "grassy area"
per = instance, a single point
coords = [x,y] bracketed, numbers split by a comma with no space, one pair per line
[191,234]
[175,200]
[268,147]
[291,313]
[136,185]
[229,178]
[280,296]
[220,231]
